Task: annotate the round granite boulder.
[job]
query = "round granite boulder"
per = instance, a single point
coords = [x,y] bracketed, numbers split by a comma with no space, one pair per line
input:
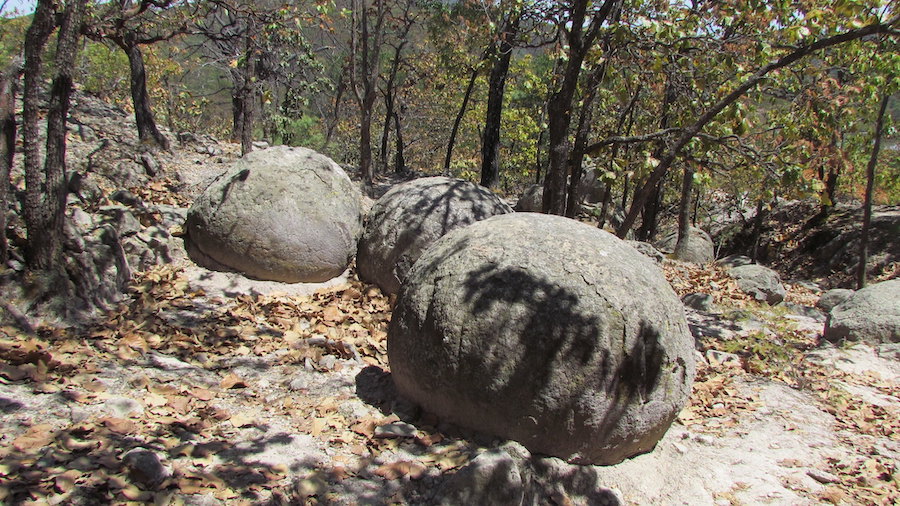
[531,200]
[871,315]
[546,331]
[411,216]
[700,248]
[761,283]
[281,214]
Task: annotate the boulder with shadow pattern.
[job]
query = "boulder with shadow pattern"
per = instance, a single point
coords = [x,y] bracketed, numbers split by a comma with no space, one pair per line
[411,216]
[546,331]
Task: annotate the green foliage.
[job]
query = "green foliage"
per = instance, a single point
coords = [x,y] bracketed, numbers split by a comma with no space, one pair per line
[303,131]
[12,37]
[103,71]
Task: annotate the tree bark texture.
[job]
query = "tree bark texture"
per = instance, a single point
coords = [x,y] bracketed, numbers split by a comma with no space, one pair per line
[399,157]
[684,212]
[490,139]
[559,108]
[573,205]
[143,114]
[8,78]
[45,200]
[867,203]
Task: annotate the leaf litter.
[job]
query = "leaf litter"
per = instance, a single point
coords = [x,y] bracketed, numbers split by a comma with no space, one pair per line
[189,418]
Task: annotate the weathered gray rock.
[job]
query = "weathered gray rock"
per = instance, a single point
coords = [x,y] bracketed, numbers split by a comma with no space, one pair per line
[491,478]
[410,217]
[700,248]
[871,315]
[832,298]
[761,283]
[546,331]
[648,250]
[146,468]
[510,475]
[698,301]
[281,214]
[531,200]
[732,261]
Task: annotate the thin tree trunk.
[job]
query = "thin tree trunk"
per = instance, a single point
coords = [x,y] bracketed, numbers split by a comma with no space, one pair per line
[650,213]
[338,94]
[8,81]
[573,204]
[684,212]
[399,158]
[143,114]
[389,93]
[490,139]
[456,122]
[38,254]
[755,237]
[559,108]
[237,114]
[867,204]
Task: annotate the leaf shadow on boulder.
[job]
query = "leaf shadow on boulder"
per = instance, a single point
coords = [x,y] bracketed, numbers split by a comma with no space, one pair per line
[557,333]
[413,226]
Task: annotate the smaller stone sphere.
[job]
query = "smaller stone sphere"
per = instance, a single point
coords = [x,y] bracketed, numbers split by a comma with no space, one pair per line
[411,216]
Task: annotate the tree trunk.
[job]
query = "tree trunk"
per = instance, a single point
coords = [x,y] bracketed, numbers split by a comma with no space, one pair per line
[867,204]
[45,199]
[573,204]
[684,212]
[456,122]
[389,93]
[237,113]
[650,214]
[490,139]
[559,109]
[338,95]
[8,81]
[755,237]
[143,114]
[399,158]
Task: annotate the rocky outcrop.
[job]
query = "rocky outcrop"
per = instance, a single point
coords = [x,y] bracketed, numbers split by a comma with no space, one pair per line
[761,283]
[546,331]
[410,217]
[281,214]
[510,475]
[871,315]
[699,250]
[832,298]
[647,249]
[531,200]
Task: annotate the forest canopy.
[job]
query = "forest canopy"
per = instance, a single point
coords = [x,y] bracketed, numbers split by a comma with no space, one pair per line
[515,92]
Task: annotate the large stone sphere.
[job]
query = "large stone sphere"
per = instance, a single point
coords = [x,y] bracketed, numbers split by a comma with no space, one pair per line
[282,214]
[411,216]
[546,331]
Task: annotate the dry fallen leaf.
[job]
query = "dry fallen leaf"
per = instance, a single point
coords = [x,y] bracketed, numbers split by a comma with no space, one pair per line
[232,380]
[242,419]
[35,437]
[395,470]
[118,425]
